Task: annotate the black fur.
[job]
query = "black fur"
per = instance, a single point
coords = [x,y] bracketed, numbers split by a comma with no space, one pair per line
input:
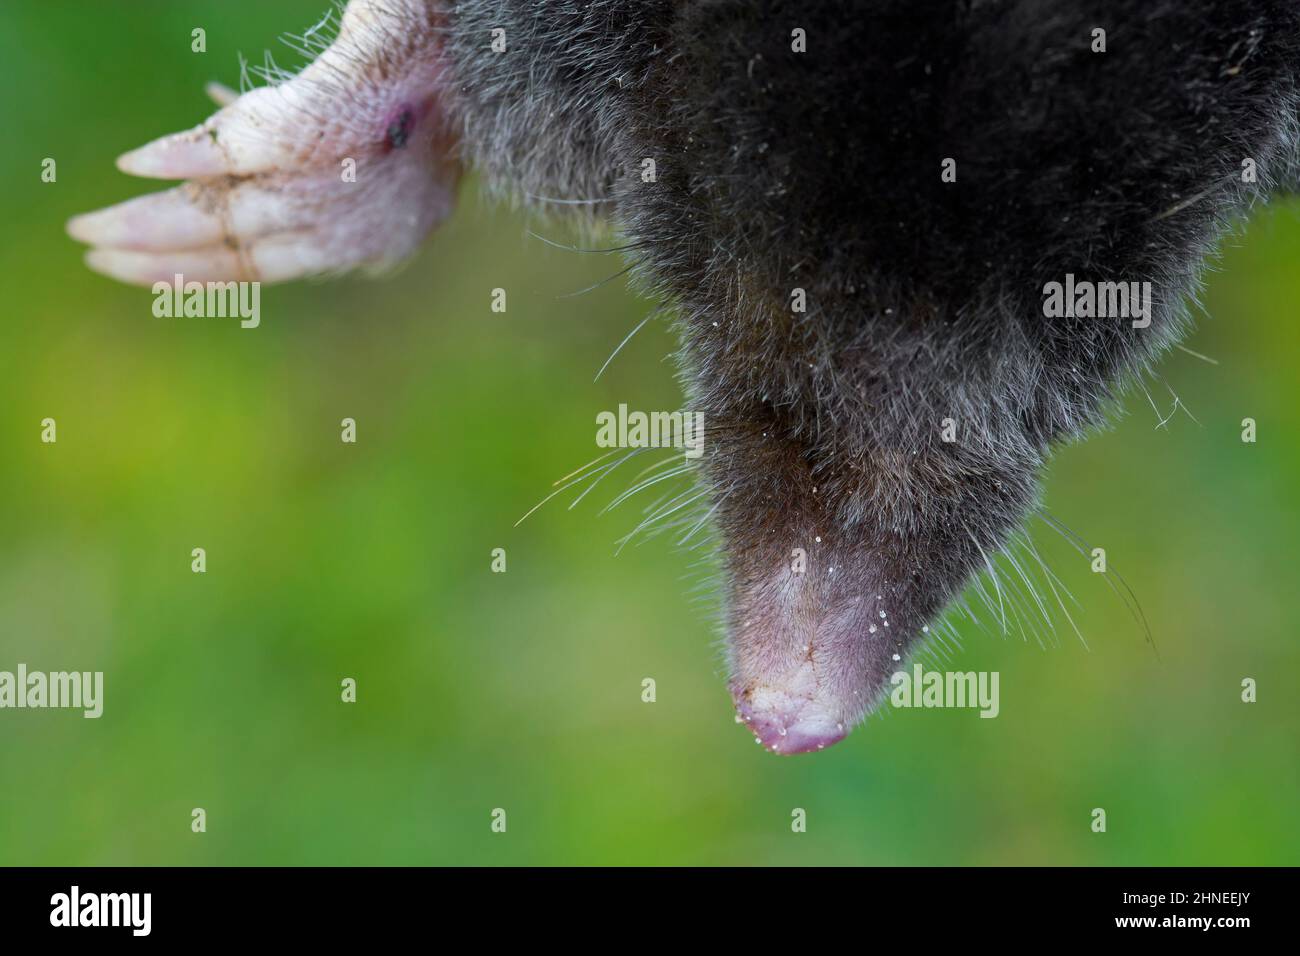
[821,170]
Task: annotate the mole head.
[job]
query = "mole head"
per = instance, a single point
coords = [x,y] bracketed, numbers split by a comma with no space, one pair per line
[841,547]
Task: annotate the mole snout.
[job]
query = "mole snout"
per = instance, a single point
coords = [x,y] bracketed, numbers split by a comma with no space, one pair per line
[789,718]
[809,649]
[822,610]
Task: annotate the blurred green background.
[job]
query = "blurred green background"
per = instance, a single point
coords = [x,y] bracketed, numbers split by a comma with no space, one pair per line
[523,690]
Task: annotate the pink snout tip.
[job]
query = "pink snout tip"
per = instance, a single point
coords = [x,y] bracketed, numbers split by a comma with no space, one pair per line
[785,724]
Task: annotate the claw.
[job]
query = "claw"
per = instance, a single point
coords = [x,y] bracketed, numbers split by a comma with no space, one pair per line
[277,258]
[233,141]
[189,217]
[215,263]
[157,222]
[177,156]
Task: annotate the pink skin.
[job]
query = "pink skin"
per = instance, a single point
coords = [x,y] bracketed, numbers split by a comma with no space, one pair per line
[810,650]
[348,165]
[781,668]
[785,721]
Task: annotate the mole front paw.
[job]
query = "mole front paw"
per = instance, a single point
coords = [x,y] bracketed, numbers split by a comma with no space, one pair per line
[325,172]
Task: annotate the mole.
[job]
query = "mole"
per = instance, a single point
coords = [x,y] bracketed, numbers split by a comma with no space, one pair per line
[913,173]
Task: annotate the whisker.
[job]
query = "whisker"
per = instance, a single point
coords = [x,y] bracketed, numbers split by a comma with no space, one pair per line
[702,522]
[581,475]
[605,281]
[605,474]
[1050,576]
[1178,403]
[669,459]
[1134,608]
[585,467]
[602,252]
[663,512]
[618,348]
[1033,592]
[994,575]
[641,486]
[567,202]
[1203,358]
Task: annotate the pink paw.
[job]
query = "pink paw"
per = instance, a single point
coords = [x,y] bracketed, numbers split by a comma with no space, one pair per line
[329,171]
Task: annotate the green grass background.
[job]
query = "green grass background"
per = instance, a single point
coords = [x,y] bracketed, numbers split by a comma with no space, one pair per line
[522,690]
